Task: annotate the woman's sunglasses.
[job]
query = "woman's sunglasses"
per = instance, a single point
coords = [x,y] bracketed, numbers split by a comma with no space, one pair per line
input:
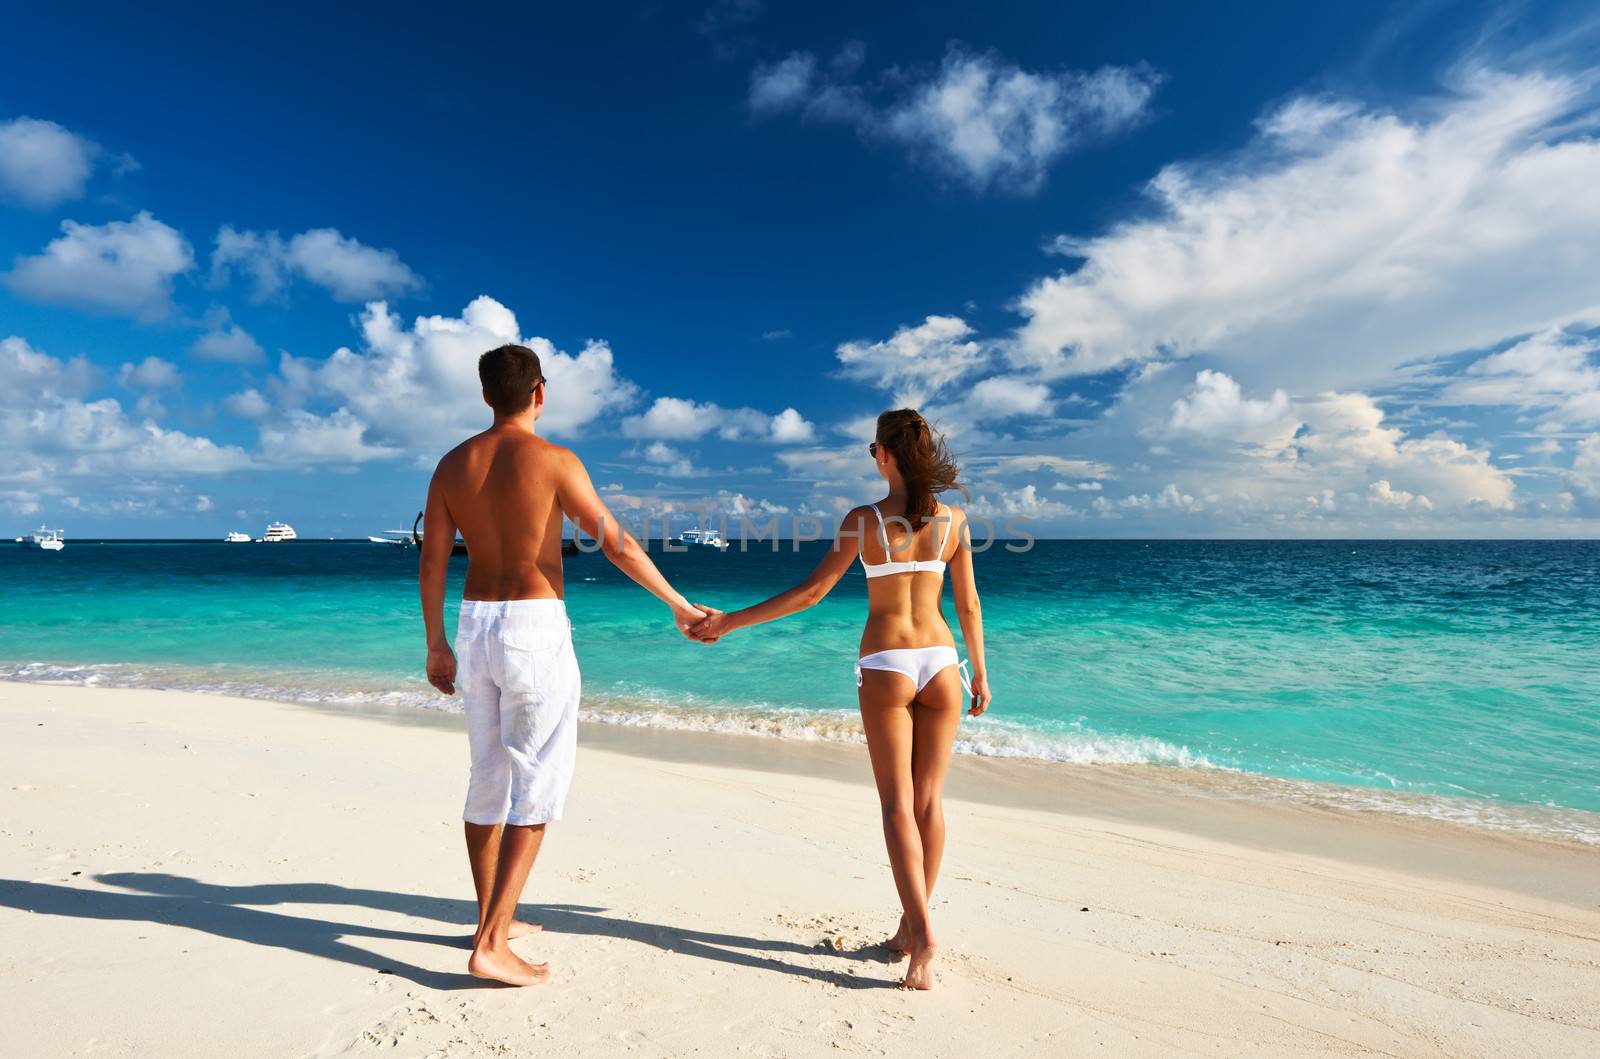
[872,449]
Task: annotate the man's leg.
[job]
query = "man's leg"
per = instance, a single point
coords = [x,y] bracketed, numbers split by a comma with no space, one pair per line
[491,952]
[483,852]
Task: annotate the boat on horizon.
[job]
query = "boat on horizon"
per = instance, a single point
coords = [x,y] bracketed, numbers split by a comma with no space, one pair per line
[46,539]
[235,537]
[693,538]
[277,532]
[394,539]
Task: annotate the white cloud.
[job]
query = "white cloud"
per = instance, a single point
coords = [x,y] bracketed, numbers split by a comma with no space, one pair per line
[26,372]
[124,267]
[677,419]
[738,505]
[151,373]
[1344,242]
[1382,492]
[978,119]
[1170,498]
[1345,432]
[346,268]
[1585,474]
[664,459]
[916,362]
[1024,502]
[51,434]
[415,389]
[42,164]
[248,404]
[1216,407]
[1551,372]
[225,341]
[789,427]
[779,86]
[301,437]
[1068,466]
[1004,396]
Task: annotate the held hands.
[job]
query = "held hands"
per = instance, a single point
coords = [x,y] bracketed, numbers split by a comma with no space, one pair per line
[442,668]
[980,695]
[715,627]
[686,616]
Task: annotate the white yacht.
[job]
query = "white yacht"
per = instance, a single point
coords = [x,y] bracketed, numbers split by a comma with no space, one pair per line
[51,540]
[702,539]
[278,531]
[394,539]
[237,538]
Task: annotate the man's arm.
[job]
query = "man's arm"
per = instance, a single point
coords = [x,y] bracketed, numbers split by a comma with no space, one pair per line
[580,503]
[438,540]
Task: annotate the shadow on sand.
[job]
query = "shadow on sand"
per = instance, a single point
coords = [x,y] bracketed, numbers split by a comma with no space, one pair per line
[234,912]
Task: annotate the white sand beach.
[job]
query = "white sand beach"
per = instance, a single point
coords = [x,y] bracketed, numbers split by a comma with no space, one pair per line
[186,875]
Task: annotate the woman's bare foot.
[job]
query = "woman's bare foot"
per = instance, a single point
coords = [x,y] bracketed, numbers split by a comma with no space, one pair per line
[919,974]
[900,944]
[505,966]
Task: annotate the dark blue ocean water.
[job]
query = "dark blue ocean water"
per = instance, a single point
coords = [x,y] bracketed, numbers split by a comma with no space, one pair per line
[1462,676]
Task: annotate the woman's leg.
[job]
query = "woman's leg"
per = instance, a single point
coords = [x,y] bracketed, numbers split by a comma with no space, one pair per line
[886,716]
[935,717]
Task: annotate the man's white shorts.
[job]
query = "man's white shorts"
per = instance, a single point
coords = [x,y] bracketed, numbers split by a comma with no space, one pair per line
[519,686]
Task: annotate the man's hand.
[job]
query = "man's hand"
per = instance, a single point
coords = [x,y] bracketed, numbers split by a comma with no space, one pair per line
[980,695]
[714,628]
[442,668]
[686,616]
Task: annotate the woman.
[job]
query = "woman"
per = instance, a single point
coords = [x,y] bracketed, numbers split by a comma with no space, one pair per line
[908,676]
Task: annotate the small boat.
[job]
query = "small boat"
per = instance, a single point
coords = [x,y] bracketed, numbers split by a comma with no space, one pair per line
[416,537]
[236,538]
[702,539]
[393,539]
[50,540]
[278,532]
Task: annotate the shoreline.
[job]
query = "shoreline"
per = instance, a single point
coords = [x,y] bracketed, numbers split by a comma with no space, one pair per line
[291,878]
[1204,801]
[1186,775]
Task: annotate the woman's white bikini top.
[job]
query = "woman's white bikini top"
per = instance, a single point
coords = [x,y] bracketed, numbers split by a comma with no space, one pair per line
[915,566]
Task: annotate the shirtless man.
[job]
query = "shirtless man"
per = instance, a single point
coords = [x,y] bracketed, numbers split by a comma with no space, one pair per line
[506,490]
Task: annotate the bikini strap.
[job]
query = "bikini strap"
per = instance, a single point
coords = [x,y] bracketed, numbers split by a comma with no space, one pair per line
[883,534]
[944,537]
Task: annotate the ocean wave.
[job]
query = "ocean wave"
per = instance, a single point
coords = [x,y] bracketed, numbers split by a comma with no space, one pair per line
[1074,744]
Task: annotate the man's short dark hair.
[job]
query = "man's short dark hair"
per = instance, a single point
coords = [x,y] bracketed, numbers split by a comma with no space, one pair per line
[509,375]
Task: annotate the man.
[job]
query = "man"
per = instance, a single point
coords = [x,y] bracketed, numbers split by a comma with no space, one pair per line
[507,490]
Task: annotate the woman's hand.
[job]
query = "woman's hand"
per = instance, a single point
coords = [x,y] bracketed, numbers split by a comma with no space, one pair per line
[715,627]
[980,694]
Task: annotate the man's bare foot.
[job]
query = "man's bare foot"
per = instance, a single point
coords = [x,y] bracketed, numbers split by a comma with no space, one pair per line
[919,974]
[505,966]
[518,929]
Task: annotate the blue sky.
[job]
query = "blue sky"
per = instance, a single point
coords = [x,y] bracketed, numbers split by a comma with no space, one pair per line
[1158,270]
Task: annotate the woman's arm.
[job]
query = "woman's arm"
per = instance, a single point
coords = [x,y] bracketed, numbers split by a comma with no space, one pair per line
[970,612]
[807,594]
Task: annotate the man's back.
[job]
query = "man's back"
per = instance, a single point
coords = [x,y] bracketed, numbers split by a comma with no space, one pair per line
[502,490]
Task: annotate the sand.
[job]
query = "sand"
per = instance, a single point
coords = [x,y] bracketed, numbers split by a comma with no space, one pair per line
[195,875]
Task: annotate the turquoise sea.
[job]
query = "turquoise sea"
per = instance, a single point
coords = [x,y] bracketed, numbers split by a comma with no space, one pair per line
[1456,679]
